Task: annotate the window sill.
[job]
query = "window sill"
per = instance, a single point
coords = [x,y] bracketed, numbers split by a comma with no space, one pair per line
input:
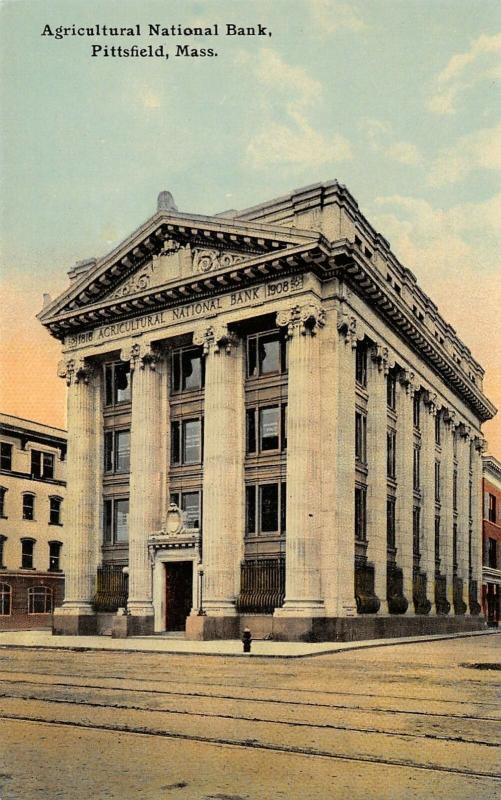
[28,569]
[56,524]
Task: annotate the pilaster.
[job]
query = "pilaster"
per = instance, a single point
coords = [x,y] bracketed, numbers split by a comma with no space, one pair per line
[446,543]
[478,446]
[330,423]
[428,496]
[303,524]
[463,486]
[404,503]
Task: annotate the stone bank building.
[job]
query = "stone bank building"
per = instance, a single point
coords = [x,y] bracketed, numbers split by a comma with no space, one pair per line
[269,424]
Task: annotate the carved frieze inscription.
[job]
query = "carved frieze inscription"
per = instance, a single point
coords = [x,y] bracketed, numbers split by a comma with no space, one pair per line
[198,309]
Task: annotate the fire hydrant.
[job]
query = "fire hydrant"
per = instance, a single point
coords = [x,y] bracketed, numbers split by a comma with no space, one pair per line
[246,640]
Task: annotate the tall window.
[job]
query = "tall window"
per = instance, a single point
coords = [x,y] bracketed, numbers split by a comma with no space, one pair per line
[391,391]
[265,508]
[391,460]
[266,354]
[437,542]
[361,437]
[438,436]
[3,492]
[266,429]
[39,600]
[390,523]
[5,456]
[186,441]
[117,451]
[55,510]
[42,464]
[27,551]
[416,410]
[5,599]
[190,503]
[491,508]
[55,556]
[361,513]
[416,469]
[455,490]
[3,539]
[455,549]
[361,364]
[117,381]
[492,560]
[187,369]
[437,481]
[116,520]
[416,520]
[28,506]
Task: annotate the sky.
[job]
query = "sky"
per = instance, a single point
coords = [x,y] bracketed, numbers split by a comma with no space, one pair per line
[397,99]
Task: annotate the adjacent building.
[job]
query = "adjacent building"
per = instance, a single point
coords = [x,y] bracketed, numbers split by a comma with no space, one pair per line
[32,552]
[491,540]
[269,424]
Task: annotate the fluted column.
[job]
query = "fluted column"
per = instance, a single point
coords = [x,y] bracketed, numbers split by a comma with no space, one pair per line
[303,524]
[447,517]
[223,481]
[404,503]
[428,497]
[145,489]
[377,489]
[82,525]
[477,514]
[463,481]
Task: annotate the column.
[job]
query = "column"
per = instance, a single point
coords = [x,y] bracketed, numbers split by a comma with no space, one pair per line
[463,517]
[82,525]
[303,539]
[145,483]
[447,517]
[477,517]
[377,489]
[223,482]
[404,503]
[428,496]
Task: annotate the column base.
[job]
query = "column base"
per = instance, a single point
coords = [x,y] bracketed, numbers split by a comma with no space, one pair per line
[125,625]
[301,608]
[219,608]
[74,621]
[200,628]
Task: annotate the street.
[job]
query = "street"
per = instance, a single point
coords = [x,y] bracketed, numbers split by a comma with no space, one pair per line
[408,721]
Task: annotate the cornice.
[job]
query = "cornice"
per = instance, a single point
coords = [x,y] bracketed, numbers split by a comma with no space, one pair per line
[491,465]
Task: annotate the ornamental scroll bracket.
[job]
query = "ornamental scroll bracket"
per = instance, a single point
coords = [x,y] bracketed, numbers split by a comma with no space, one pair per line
[214,338]
[140,355]
[209,259]
[75,370]
[407,380]
[431,402]
[308,318]
[381,356]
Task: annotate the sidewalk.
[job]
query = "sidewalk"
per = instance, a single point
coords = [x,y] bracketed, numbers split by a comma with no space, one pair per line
[227,648]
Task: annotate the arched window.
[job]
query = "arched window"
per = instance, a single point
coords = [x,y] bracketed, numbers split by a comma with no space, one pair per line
[28,506]
[3,539]
[5,599]
[55,556]
[39,600]
[3,492]
[27,552]
[55,510]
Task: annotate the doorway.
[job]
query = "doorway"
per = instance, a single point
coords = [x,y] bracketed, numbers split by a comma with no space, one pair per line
[178,594]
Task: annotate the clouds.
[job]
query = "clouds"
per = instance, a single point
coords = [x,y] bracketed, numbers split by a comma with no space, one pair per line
[381,139]
[478,150]
[465,70]
[330,16]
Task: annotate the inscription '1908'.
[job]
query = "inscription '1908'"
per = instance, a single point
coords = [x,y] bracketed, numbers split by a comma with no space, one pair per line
[209,306]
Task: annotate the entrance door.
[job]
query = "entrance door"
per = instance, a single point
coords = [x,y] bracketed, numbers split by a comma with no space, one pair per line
[179,594]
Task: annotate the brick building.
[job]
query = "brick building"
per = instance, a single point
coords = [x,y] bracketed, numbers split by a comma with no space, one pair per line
[32,490]
[491,540]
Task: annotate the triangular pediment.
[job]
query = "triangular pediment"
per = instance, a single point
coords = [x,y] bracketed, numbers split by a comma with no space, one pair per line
[171,248]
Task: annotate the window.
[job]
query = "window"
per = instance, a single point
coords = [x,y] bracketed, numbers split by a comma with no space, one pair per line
[42,464]
[39,600]
[455,549]
[117,382]
[55,556]
[416,469]
[5,599]
[3,539]
[491,509]
[265,508]
[437,543]
[455,490]
[186,441]
[390,523]
[190,504]
[27,550]
[55,510]
[5,456]
[360,513]
[437,429]
[28,506]
[361,365]
[117,451]
[360,437]
[266,429]
[116,520]
[3,492]
[266,354]
[187,369]
[492,561]
[416,520]
[437,481]
[416,411]
[391,460]
[391,391]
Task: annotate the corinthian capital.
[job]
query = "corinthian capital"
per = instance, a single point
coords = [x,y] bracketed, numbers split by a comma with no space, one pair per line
[75,370]
[347,327]
[140,355]
[304,319]
[380,355]
[213,338]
